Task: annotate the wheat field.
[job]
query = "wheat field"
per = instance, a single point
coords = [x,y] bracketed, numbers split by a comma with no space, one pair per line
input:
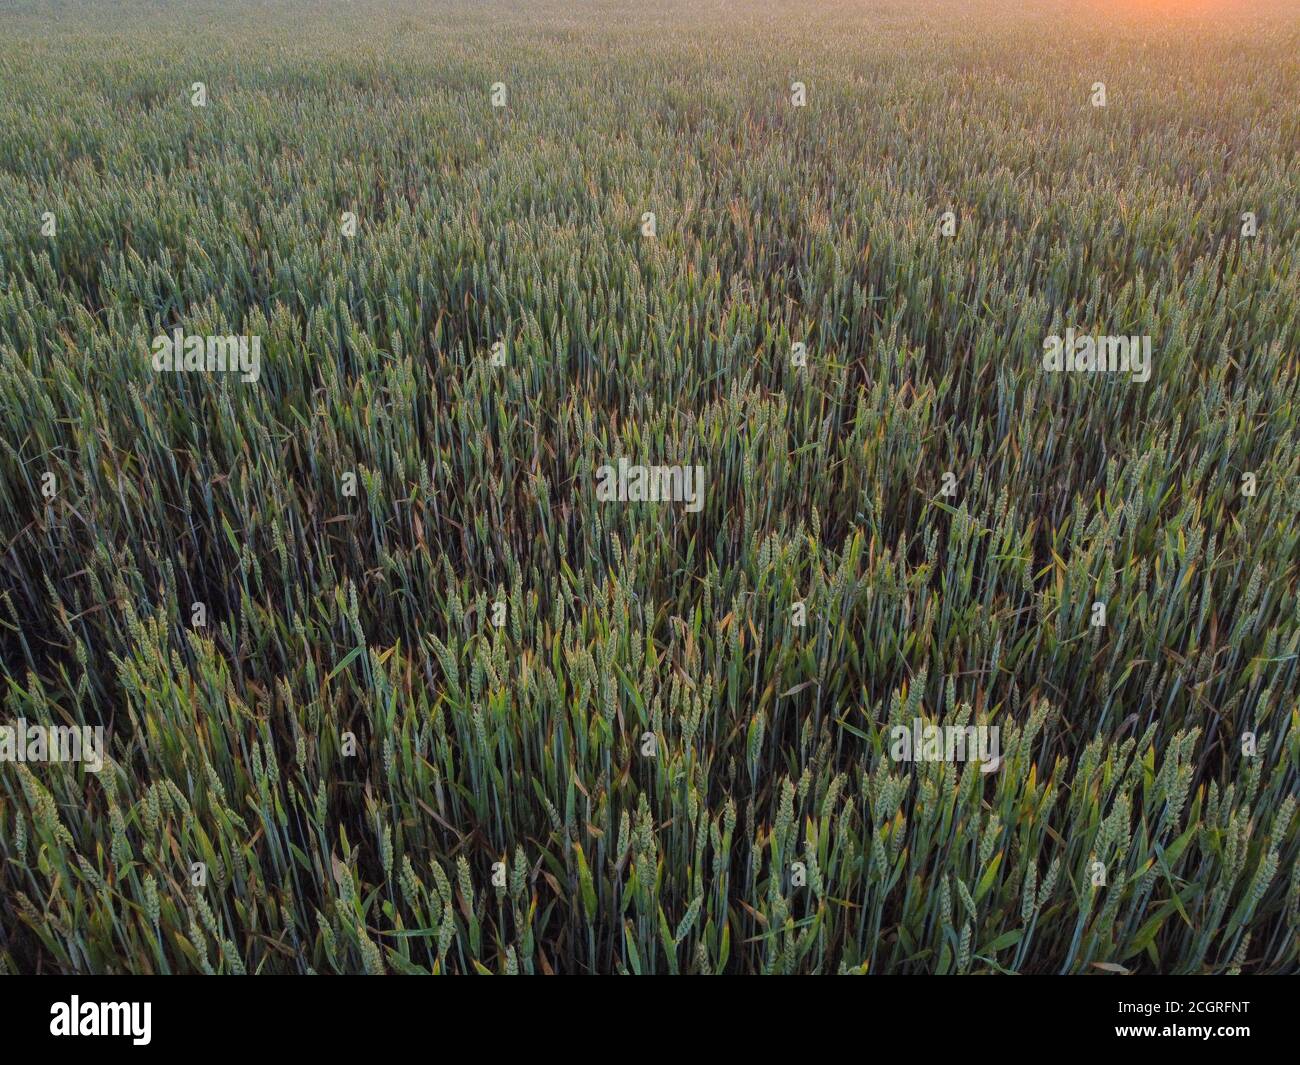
[619,437]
